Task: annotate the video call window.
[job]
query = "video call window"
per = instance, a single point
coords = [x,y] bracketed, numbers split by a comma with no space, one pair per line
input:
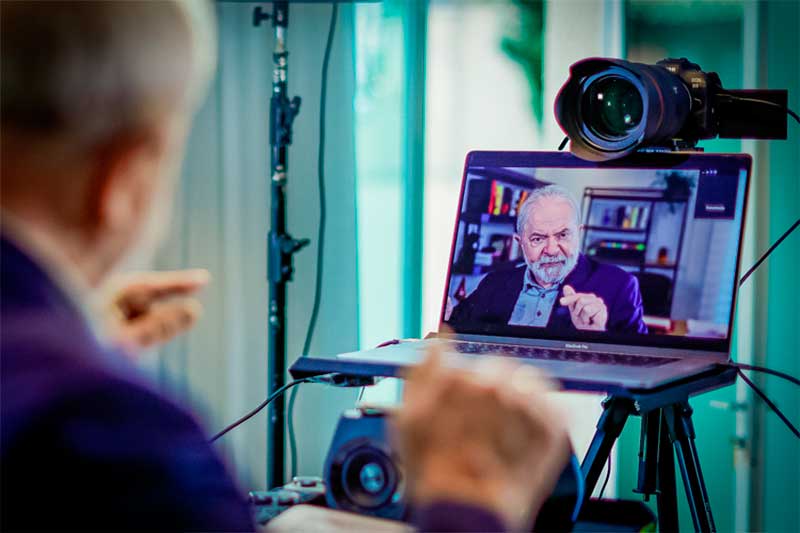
[659,247]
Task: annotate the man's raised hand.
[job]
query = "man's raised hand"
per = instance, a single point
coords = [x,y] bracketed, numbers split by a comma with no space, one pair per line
[484,434]
[149,309]
[587,311]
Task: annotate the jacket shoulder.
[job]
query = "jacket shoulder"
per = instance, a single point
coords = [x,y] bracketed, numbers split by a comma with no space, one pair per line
[49,365]
[611,274]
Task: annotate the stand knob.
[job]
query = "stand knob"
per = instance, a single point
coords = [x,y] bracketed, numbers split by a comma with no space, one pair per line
[259,16]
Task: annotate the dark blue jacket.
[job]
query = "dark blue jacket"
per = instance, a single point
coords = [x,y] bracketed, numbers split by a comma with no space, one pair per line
[86,443]
[492,302]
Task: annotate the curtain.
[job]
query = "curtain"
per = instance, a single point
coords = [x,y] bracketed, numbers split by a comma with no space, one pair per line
[221,222]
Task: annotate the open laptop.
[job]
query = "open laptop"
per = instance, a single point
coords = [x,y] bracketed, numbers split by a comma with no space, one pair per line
[619,274]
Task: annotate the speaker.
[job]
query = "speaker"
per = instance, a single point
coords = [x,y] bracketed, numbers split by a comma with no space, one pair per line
[362,472]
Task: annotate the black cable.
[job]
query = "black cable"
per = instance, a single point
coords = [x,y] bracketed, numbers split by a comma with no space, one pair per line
[769,251]
[321,183]
[740,367]
[608,476]
[321,232]
[261,406]
[563,143]
[764,102]
[771,405]
[765,370]
[290,433]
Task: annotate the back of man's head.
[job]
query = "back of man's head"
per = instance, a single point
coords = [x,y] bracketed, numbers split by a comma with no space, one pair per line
[95,101]
[88,70]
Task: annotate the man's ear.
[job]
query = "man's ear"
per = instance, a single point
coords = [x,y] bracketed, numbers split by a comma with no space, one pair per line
[517,238]
[122,181]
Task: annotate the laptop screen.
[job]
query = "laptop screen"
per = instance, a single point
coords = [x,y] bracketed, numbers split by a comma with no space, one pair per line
[640,251]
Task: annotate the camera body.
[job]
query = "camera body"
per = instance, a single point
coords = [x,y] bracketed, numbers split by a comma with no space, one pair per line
[702,88]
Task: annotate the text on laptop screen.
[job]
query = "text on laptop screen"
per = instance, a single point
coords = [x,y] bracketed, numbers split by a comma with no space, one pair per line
[583,252]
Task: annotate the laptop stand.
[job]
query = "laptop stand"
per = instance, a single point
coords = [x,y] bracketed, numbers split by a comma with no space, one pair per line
[666,428]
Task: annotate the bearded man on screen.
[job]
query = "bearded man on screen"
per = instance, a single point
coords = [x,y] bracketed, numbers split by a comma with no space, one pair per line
[557,287]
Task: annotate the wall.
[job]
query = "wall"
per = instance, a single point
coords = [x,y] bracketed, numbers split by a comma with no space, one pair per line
[780,475]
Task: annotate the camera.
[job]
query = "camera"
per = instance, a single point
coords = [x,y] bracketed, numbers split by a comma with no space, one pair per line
[610,108]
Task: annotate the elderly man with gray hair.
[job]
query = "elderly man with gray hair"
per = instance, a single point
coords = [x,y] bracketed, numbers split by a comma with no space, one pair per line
[97,98]
[557,287]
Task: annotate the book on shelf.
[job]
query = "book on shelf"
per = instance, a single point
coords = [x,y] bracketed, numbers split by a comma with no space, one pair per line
[620,245]
[625,217]
[514,202]
[504,199]
[508,193]
[492,197]
[523,196]
[498,198]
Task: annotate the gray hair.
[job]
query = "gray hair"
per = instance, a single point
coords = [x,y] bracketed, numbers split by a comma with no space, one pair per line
[549,191]
[87,70]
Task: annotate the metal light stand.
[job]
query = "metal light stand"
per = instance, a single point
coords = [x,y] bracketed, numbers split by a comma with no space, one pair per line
[281,246]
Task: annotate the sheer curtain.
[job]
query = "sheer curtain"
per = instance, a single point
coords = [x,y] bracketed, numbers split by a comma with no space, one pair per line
[221,222]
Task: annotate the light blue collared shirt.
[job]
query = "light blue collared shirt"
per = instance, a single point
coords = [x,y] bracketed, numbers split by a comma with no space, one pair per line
[535,303]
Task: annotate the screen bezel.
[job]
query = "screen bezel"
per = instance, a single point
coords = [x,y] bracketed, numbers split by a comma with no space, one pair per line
[722,163]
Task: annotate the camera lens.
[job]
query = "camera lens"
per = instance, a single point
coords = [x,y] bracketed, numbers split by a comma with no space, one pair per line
[372,478]
[369,478]
[612,107]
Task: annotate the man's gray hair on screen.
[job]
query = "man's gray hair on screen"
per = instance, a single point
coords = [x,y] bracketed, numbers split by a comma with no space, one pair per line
[86,71]
[548,191]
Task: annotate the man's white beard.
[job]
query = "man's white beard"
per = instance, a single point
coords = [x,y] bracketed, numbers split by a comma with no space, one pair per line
[553,270]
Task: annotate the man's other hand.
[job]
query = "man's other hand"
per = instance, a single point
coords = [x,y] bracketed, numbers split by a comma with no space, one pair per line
[483,435]
[149,309]
[586,310]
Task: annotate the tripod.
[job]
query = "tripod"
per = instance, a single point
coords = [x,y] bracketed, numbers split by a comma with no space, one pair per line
[666,426]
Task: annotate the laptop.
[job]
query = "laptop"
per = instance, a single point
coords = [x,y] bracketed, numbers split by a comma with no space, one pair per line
[610,275]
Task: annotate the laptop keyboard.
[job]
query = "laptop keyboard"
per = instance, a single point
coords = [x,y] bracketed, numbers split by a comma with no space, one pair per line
[532,352]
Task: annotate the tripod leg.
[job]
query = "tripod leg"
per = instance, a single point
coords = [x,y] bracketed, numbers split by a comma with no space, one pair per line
[682,435]
[648,454]
[667,498]
[615,413]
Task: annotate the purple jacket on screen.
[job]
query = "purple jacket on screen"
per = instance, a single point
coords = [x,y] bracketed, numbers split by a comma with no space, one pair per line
[492,302]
